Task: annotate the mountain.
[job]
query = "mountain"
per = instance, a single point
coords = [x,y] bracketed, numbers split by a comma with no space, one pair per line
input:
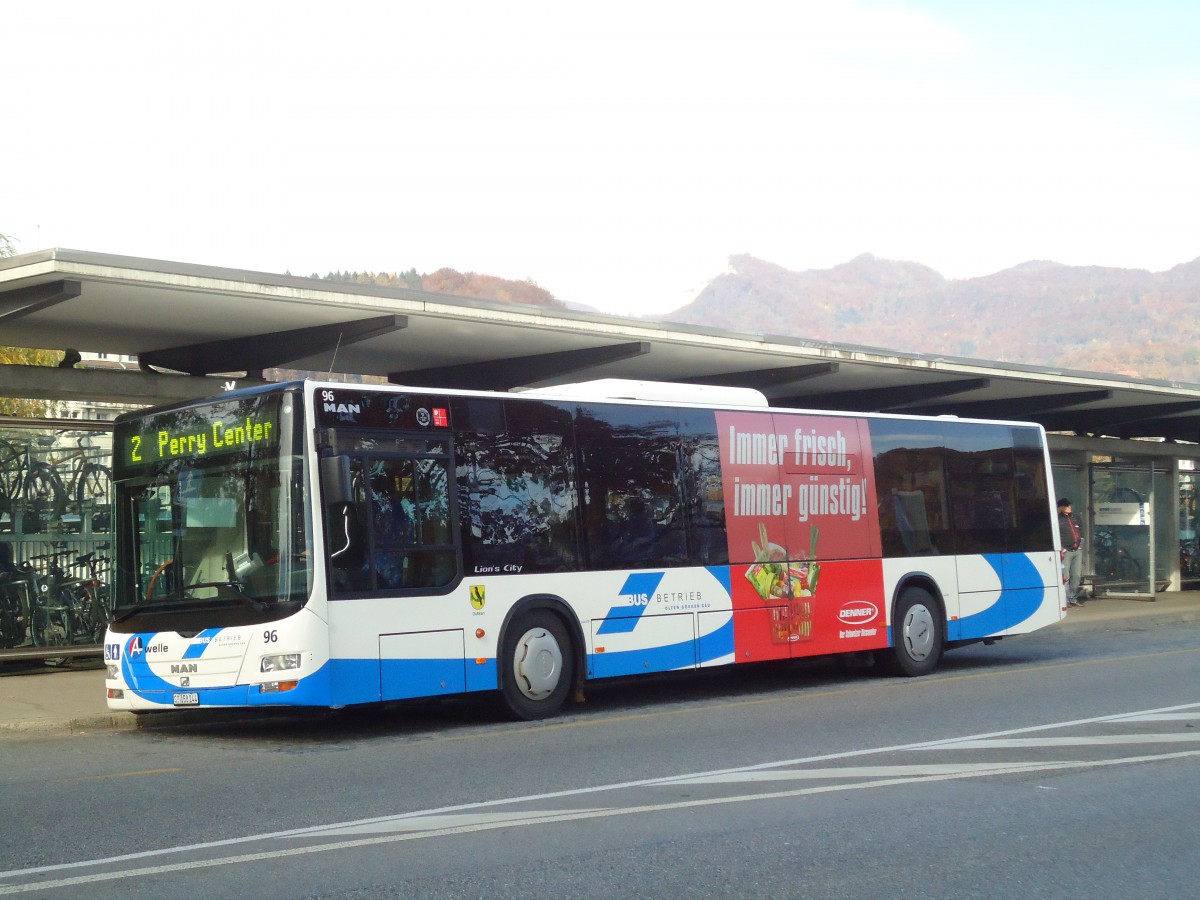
[1121,321]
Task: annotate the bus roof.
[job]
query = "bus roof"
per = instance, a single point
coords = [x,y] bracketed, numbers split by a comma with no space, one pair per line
[653,391]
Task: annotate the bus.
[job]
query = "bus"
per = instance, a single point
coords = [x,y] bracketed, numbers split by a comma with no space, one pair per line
[320,544]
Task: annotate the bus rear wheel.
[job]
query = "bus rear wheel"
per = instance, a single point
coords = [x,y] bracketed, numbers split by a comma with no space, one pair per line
[917,634]
[538,665]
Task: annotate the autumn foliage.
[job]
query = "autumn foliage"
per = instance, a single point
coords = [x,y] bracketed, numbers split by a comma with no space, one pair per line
[459,284]
[1117,321]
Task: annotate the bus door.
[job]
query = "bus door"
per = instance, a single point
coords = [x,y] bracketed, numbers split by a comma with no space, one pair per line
[392,547]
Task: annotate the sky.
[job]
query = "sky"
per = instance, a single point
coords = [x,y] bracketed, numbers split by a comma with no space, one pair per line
[616,153]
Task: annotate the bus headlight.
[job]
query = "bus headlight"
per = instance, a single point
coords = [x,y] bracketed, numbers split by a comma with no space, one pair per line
[280,662]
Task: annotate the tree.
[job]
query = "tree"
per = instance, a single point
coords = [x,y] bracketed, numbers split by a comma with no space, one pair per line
[22,356]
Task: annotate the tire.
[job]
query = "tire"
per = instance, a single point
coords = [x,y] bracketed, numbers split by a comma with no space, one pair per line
[918,634]
[52,627]
[11,630]
[44,495]
[93,485]
[90,622]
[537,666]
[12,474]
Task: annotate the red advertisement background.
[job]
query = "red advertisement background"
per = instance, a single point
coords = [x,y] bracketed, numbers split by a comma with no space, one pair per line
[803,534]
[759,626]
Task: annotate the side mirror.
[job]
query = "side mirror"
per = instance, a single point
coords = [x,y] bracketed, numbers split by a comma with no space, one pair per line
[335,480]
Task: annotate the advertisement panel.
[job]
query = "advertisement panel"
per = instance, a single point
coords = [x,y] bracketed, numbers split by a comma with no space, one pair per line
[803,534]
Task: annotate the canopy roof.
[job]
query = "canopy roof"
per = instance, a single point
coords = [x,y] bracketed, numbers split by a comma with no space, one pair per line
[202,321]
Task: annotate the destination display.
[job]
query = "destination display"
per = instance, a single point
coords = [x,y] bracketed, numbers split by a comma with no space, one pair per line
[197,433]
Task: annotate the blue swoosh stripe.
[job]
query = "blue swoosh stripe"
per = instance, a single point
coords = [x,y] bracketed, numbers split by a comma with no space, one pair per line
[1021,595]
[195,651]
[623,617]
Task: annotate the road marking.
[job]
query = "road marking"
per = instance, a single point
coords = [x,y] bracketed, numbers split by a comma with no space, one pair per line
[555,795]
[965,769]
[448,823]
[1083,740]
[1159,717]
[802,693]
[536,819]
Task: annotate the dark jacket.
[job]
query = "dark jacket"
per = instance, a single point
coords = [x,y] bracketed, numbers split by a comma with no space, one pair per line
[1070,536]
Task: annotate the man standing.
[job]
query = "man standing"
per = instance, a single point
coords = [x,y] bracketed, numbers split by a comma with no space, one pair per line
[1068,533]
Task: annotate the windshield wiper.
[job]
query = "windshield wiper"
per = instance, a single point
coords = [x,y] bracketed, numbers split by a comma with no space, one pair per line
[238,592]
[157,607]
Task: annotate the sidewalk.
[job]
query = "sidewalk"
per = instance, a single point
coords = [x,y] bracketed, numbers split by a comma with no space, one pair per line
[38,699]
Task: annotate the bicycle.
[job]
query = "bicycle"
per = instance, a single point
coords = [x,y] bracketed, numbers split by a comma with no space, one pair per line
[53,616]
[16,607]
[12,470]
[1189,560]
[1115,563]
[93,589]
[33,474]
[42,604]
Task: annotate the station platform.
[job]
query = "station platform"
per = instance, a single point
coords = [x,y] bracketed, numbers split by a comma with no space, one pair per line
[69,698]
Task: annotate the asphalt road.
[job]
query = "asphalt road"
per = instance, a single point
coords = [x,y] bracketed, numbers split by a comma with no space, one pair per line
[1054,765]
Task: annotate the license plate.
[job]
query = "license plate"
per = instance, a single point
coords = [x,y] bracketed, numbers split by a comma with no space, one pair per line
[187,698]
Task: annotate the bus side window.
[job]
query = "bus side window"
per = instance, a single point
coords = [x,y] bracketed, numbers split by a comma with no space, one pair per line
[633,505]
[703,520]
[410,523]
[518,495]
[910,483]
[1033,525]
[979,462]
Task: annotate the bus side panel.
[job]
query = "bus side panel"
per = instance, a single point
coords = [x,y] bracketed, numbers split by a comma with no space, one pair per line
[661,644]
[834,606]
[422,664]
[1042,599]
[391,648]
[849,609]
[354,650]
[1011,593]
[353,680]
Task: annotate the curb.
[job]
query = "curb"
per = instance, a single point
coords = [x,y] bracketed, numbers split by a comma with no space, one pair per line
[1141,621]
[80,725]
[128,721]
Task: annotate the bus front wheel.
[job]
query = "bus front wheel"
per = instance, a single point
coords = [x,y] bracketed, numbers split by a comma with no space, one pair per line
[917,634]
[538,665]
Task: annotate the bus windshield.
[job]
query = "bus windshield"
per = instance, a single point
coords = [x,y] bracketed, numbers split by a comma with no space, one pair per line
[213,520]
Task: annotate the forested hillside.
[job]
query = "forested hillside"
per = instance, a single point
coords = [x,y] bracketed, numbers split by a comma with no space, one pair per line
[1124,321]
[449,281]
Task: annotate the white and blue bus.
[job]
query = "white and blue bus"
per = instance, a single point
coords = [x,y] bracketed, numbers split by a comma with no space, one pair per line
[321,545]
